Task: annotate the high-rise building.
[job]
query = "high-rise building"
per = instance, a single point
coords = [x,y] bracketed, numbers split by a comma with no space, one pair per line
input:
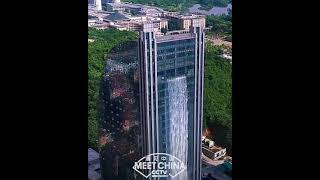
[171,93]
[119,140]
[98,5]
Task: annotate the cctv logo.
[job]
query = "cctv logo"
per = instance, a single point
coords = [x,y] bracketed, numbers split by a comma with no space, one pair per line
[159,165]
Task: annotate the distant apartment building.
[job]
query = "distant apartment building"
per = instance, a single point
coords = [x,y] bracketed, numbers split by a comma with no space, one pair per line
[153,12]
[97,23]
[185,21]
[134,23]
[114,7]
[121,7]
[160,23]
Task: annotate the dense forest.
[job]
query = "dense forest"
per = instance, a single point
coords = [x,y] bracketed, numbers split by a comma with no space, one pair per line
[218,85]
[104,41]
[216,3]
[180,5]
[218,96]
[221,25]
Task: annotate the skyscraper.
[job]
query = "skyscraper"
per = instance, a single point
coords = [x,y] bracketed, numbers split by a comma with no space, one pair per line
[119,139]
[171,88]
[98,5]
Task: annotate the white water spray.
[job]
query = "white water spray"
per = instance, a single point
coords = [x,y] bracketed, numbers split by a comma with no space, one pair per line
[178,121]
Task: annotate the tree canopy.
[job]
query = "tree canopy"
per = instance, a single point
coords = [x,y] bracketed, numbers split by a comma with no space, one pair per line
[221,25]
[218,86]
[180,5]
[218,95]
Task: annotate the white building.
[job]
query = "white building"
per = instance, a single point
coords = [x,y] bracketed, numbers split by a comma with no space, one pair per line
[98,5]
[91,22]
[211,150]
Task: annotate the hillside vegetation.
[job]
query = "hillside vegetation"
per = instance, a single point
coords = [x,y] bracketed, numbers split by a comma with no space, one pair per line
[221,25]
[218,86]
[179,5]
[218,96]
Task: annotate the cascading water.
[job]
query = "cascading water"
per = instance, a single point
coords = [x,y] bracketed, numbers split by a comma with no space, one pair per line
[178,121]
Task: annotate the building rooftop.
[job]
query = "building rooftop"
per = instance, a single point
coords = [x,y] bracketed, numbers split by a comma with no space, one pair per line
[116,17]
[189,16]
[174,37]
[113,4]
[131,5]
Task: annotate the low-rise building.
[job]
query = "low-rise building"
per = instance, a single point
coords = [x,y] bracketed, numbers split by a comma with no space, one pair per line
[119,27]
[132,8]
[209,143]
[158,23]
[101,26]
[185,21]
[122,18]
[152,12]
[116,17]
[211,150]
[127,25]
[114,7]
[91,22]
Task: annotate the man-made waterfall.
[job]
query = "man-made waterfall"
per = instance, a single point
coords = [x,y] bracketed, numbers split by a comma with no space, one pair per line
[178,121]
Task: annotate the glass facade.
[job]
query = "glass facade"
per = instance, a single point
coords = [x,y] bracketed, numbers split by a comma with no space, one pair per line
[171,68]
[139,110]
[175,59]
[171,100]
[120,144]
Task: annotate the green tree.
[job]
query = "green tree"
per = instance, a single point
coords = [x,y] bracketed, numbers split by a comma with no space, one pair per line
[181,5]
[218,95]
[221,25]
